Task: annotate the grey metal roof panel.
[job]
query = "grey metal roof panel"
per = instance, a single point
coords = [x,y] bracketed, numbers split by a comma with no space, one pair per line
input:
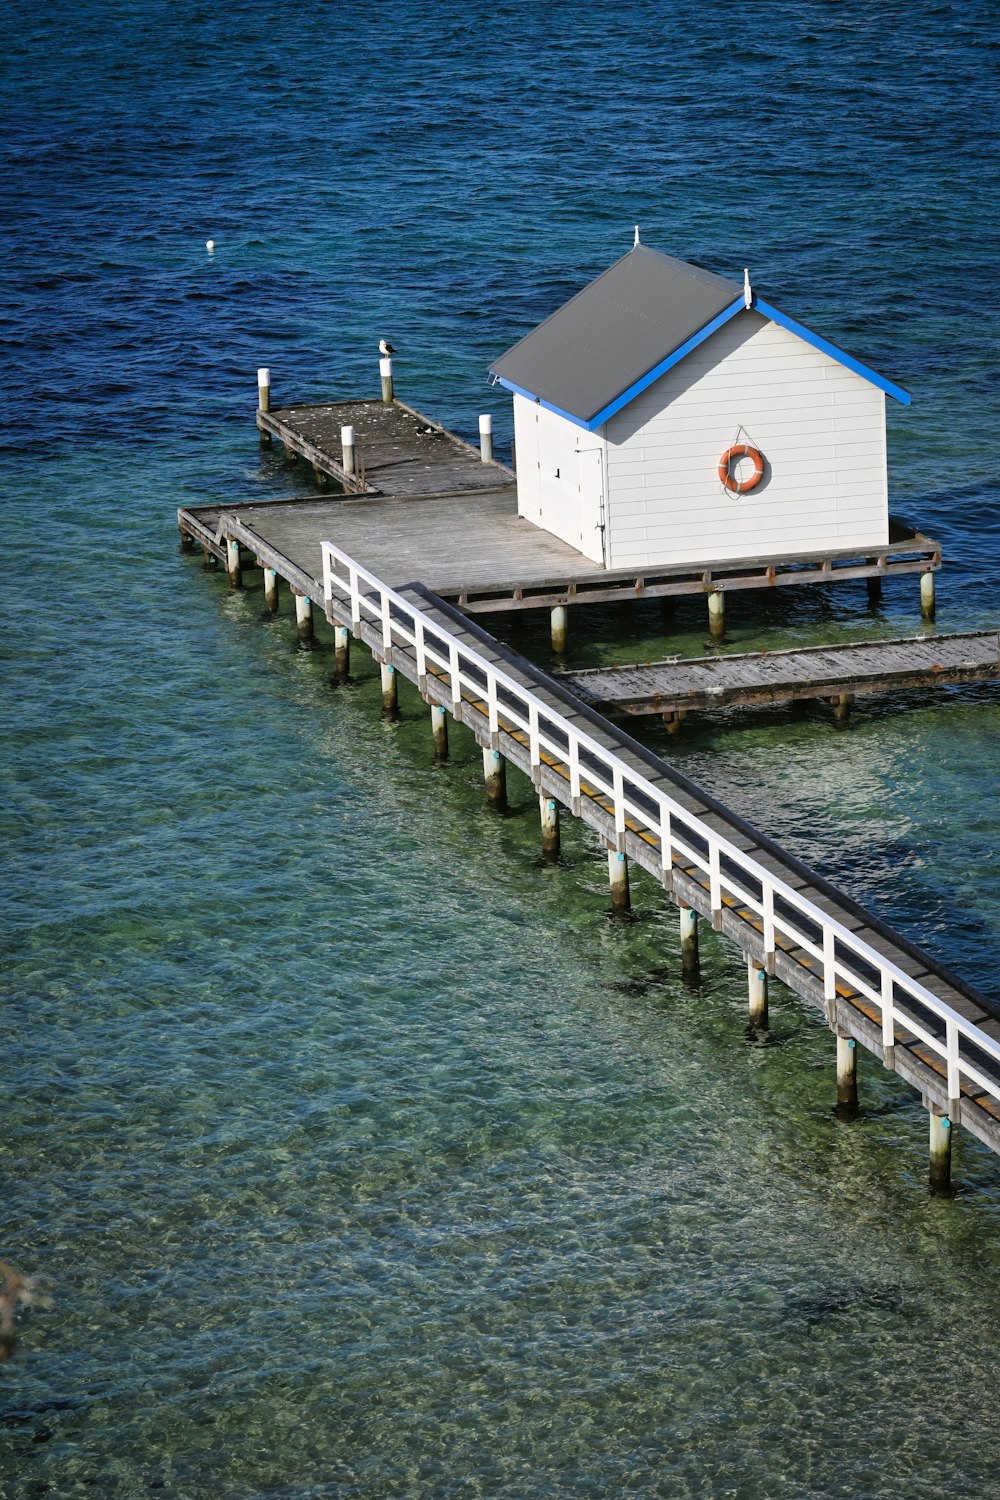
[615,330]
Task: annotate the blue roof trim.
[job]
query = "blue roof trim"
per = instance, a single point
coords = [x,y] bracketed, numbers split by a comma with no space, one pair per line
[808,337]
[518,390]
[766,310]
[681,352]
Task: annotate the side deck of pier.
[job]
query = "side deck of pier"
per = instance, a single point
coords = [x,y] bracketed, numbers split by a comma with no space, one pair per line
[770,677]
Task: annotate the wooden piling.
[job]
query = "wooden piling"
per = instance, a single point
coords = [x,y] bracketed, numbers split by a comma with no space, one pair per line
[847,1077]
[940,1151]
[549,810]
[304,619]
[233,564]
[385,371]
[486,438]
[495,777]
[347,445]
[560,628]
[716,614]
[690,958]
[209,561]
[187,541]
[621,896]
[927,602]
[390,688]
[264,397]
[342,652]
[842,708]
[270,588]
[757,988]
[439,729]
[874,587]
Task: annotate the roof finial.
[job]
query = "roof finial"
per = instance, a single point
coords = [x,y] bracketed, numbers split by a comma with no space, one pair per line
[747,293]
[636,240]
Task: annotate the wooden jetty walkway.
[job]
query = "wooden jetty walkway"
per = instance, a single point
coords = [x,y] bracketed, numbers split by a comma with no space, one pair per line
[466,540]
[358,555]
[675,687]
[874,987]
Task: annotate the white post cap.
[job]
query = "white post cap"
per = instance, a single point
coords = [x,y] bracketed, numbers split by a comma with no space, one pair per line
[485,423]
[385,366]
[347,437]
[263,376]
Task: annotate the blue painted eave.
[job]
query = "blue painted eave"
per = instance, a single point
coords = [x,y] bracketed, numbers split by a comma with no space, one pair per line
[591,424]
[825,347]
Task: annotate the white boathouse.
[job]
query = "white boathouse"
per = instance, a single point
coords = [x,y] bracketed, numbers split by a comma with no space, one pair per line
[669,415]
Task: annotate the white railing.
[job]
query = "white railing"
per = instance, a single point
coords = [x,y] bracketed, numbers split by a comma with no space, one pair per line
[637,805]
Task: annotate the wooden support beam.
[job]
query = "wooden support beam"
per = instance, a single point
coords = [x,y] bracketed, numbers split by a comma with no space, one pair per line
[757,987]
[495,778]
[439,729]
[621,895]
[690,957]
[549,810]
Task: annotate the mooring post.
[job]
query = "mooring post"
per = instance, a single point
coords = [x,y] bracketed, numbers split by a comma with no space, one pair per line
[385,370]
[847,1076]
[560,628]
[621,896]
[264,397]
[390,688]
[233,564]
[716,614]
[549,809]
[757,986]
[940,1151]
[495,777]
[304,619]
[439,729]
[270,588]
[874,583]
[208,557]
[347,444]
[842,708]
[486,438]
[341,652]
[927,596]
[690,961]
[187,541]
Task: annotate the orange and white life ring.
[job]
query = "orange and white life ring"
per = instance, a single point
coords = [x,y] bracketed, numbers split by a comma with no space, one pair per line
[733,455]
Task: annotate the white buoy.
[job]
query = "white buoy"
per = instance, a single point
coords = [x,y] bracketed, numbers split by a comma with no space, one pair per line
[210,246]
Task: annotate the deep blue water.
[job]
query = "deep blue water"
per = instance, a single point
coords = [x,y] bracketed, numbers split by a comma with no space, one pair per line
[364,1154]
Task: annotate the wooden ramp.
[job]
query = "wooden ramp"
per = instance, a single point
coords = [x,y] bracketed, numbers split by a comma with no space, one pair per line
[871,983]
[705,682]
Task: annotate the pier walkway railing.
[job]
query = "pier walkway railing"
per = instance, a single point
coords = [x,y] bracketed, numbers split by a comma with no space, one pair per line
[778,918]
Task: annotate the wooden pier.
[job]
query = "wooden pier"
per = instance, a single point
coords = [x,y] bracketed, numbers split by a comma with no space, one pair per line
[358,557]
[678,686]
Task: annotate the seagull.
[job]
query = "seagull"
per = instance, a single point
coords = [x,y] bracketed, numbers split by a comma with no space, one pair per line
[385,348]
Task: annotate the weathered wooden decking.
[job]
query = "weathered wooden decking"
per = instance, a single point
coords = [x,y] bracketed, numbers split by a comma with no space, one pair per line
[398,451]
[848,1010]
[706,682]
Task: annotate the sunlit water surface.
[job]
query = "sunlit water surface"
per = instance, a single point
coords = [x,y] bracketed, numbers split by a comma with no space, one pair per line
[365,1154]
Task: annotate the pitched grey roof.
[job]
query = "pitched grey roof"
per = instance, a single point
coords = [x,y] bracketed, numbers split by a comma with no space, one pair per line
[612,333]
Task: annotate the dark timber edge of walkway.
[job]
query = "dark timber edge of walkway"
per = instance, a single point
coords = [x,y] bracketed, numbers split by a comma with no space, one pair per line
[852,1013]
[762,677]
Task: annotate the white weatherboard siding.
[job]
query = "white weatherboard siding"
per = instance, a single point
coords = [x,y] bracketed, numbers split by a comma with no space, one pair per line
[820,427]
[560,476]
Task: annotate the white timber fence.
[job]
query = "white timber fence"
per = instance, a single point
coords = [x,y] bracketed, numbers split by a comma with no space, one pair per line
[838,956]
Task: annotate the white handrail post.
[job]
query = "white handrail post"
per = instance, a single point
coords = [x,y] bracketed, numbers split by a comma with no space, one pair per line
[355,597]
[386,621]
[666,845]
[492,703]
[767,892]
[618,784]
[829,972]
[574,772]
[954,1074]
[888,1028]
[327,584]
[456,681]
[534,748]
[418,641]
[715,883]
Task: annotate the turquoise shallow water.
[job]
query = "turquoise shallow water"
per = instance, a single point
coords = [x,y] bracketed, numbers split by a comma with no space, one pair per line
[365,1154]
